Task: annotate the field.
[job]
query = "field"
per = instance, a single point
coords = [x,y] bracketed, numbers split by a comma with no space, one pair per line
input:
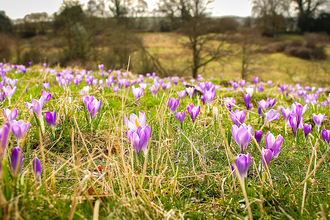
[95,163]
[168,48]
[264,58]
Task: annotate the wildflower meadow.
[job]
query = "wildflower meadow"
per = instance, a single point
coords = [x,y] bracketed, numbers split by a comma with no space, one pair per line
[109,144]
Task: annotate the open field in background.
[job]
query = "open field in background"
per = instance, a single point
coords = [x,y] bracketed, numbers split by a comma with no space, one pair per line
[174,58]
[167,47]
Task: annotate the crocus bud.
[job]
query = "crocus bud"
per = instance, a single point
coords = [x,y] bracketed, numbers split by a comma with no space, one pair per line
[266,156]
[180,116]
[4,133]
[173,104]
[37,169]
[16,160]
[50,118]
[307,129]
[258,136]
[243,162]
[326,135]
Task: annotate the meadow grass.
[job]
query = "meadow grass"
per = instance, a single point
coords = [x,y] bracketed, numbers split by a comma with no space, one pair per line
[186,173]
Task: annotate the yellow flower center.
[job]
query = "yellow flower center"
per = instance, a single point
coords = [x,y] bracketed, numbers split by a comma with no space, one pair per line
[136,122]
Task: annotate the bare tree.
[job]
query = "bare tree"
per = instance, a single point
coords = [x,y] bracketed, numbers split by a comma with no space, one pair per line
[307,10]
[192,16]
[121,10]
[96,8]
[270,16]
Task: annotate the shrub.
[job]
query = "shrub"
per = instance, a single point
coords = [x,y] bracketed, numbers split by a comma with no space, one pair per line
[5,46]
[301,52]
[33,55]
[304,52]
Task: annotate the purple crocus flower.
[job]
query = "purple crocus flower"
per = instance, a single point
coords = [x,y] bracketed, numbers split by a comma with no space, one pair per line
[307,129]
[193,111]
[101,67]
[261,88]
[16,160]
[324,103]
[46,85]
[235,85]
[271,102]
[109,81]
[46,95]
[166,85]
[140,139]
[318,119]
[180,116]
[101,82]
[326,135]
[294,124]
[115,89]
[209,96]
[283,88]
[10,115]
[203,99]
[286,114]
[263,104]
[272,115]
[137,92]
[247,100]
[2,96]
[4,133]
[93,107]
[269,83]
[274,144]
[242,135]
[13,82]
[209,86]
[299,110]
[87,99]
[135,122]
[9,91]
[37,168]
[238,117]
[37,106]
[182,94]
[50,118]
[266,156]
[242,163]
[173,104]
[242,83]
[190,91]
[258,136]
[260,113]
[19,128]
[255,80]
[229,102]
[153,90]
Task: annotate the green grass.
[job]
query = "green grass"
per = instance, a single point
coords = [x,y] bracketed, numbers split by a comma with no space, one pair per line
[186,175]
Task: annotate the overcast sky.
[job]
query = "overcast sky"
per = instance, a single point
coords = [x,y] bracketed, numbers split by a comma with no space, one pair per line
[19,8]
